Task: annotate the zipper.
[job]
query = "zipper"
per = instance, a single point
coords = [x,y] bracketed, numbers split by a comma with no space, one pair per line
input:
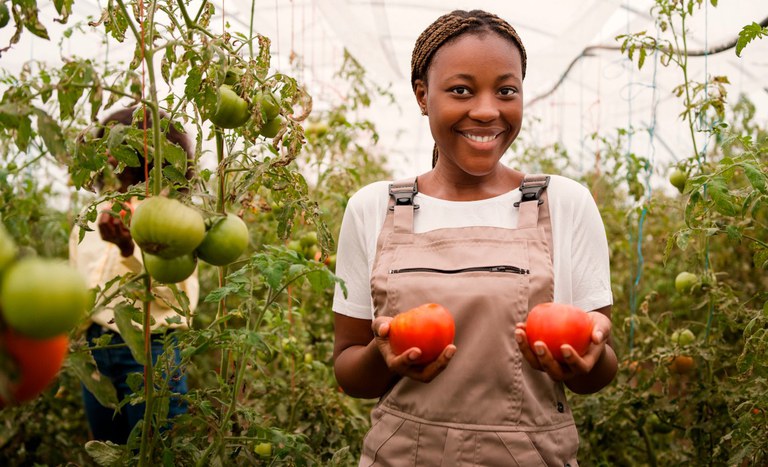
[499,268]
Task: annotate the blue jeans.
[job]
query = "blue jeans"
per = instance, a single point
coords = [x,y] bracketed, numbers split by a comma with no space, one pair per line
[108,424]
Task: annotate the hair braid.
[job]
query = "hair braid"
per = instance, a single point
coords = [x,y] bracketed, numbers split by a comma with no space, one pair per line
[447,28]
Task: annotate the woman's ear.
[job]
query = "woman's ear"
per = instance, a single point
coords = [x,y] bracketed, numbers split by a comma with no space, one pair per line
[420,90]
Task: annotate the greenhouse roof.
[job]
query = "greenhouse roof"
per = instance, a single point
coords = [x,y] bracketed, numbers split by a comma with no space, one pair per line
[577,82]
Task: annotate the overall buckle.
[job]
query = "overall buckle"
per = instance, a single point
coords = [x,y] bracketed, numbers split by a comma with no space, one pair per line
[403,195]
[532,190]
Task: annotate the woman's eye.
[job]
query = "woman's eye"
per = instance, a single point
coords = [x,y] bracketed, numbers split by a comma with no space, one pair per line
[461,91]
[508,91]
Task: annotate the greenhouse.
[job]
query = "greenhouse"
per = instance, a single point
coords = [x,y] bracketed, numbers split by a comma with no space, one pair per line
[550,220]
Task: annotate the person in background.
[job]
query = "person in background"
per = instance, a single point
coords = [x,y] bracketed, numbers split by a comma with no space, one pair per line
[487,241]
[106,252]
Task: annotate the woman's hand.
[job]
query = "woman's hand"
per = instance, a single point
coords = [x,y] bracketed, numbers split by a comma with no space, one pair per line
[113,230]
[539,357]
[403,364]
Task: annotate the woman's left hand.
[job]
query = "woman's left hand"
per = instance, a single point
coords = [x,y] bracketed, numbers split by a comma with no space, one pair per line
[539,357]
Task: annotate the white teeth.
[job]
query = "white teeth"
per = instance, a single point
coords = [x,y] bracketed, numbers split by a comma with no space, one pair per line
[480,139]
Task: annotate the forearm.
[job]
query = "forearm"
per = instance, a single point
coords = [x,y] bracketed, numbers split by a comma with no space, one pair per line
[601,375]
[361,371]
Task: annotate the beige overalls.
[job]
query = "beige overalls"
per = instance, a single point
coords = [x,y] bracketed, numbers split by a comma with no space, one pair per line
[488,407]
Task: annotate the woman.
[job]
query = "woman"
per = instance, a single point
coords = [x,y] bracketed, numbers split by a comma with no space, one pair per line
[493,398]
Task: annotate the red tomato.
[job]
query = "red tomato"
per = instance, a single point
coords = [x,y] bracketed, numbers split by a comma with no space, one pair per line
[37,361]
[556,324]
[430,327]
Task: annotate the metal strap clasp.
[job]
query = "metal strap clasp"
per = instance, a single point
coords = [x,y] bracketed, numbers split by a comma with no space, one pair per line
[403,195]
[532,189]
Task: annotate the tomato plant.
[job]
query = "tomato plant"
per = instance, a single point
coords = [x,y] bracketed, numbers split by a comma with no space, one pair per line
[166,227]
[170,270]
[36,362]
[42,298]
[224,241]
[556,324]
[430,327]
[231,110]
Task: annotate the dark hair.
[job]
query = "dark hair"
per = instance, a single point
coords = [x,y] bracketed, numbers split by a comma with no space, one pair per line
[449,27]
[173,134]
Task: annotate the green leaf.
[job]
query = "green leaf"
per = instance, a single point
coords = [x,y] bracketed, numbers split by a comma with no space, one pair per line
[50,131]
[756,177]
[724,201]
[106,453]
[129,332]
[747,34]
[84,367]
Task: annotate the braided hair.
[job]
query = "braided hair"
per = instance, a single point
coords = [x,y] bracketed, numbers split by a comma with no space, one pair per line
[449,27]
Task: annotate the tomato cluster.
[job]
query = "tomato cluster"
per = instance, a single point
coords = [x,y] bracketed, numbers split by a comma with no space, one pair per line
[172,236]
[234,109]
[41,301]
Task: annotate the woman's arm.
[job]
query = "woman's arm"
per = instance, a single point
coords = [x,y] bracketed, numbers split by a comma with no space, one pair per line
[361,371]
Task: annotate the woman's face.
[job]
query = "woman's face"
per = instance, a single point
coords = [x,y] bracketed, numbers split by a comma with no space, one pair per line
[474,99]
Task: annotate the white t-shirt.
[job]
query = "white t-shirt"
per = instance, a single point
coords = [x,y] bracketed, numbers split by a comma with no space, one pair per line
[581,264]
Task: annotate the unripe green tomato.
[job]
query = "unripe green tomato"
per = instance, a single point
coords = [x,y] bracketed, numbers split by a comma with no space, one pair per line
[5,15]
[263,449]
[678,179]
[231,109]
[8,248]
[308,239]
[272,127]
[42,298]
[225,241]
[269,104]
[685,281]
[170,271]
[683,337]
[167,227]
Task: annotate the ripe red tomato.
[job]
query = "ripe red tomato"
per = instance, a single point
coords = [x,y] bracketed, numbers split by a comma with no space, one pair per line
[37,361]
[556,324]
[430,327]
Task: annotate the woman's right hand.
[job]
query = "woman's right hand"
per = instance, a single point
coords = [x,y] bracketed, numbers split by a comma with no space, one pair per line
[404,364]
[113,230]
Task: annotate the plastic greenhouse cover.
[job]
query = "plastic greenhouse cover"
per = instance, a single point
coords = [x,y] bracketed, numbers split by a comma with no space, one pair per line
[569,94]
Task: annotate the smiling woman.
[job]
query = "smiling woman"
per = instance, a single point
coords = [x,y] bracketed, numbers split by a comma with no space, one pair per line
[475,236]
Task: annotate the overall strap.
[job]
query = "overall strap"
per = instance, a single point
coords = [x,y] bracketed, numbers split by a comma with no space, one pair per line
[533,188]
[401,195]
[534,206]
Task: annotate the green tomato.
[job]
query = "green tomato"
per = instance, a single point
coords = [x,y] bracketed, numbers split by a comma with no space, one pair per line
[8,248]
[308,239]
[683,337]
[678,179]
[272,127]
[43,298]
[231,109]
[5,15]
[233,76]
[269,104]
[224,242]
[170,271]
[685,281]
[263,449]
[166,227]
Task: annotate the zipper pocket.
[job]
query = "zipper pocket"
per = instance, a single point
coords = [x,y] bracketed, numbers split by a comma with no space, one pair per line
[500,268]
